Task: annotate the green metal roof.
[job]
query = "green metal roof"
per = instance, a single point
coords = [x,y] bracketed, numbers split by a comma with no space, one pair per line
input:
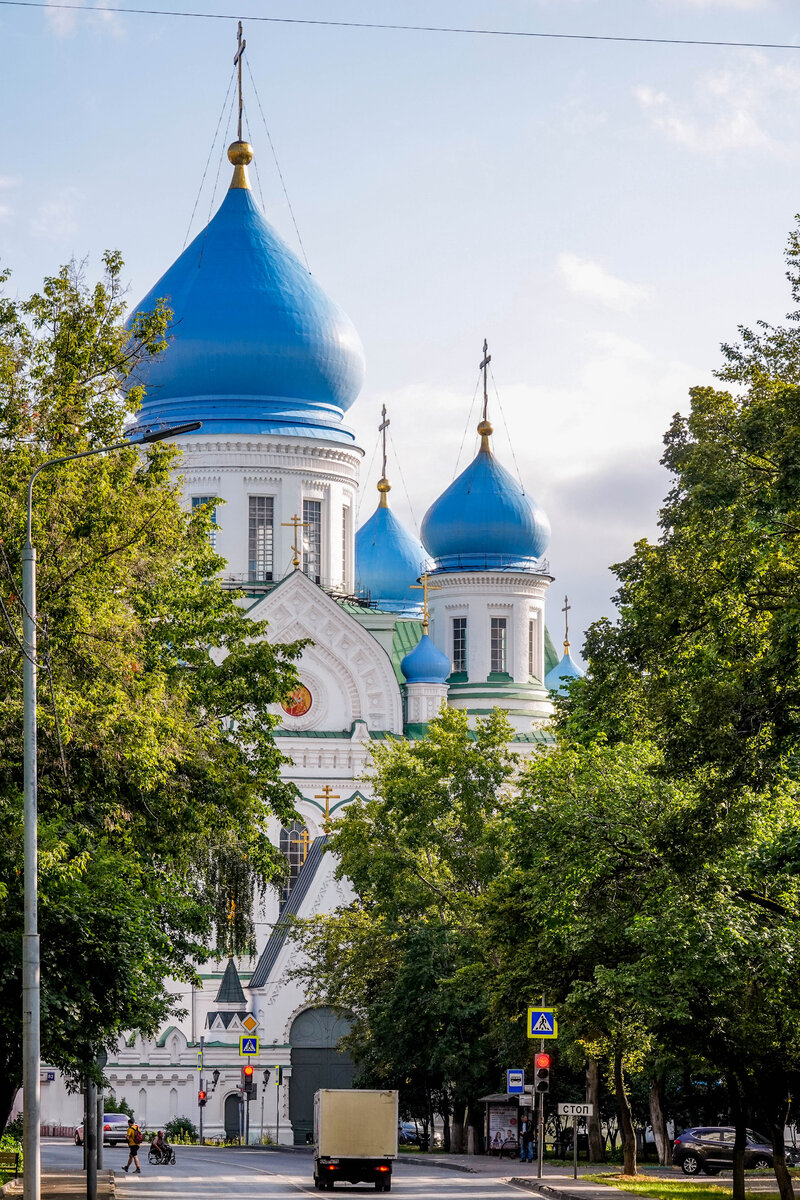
[406,636]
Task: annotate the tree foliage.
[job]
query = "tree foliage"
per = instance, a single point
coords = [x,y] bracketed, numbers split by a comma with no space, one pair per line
[157,766]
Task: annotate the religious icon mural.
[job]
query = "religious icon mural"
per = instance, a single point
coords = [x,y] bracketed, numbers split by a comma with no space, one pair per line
[299,702]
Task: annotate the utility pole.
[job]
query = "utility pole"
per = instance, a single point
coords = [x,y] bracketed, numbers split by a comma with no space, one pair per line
[201,1087]
[90,1138]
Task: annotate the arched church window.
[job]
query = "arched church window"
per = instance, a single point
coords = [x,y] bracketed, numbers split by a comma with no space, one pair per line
[294,845]
[312,539]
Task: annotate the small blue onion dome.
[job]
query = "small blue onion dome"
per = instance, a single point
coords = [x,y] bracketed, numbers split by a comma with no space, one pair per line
[256,346]
[485,520]
[389,560]
[557,678]
[425,663]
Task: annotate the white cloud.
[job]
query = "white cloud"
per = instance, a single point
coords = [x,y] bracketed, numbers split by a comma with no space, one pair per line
[55,219]
[64,21]
[589,280]
[749,105]
[5,212]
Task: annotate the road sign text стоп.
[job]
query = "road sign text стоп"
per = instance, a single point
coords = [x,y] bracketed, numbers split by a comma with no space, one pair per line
[576,1110]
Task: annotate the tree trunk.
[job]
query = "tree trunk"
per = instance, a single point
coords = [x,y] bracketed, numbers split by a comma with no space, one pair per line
[8,1090]
[597,1151]
[657,1121]
[740,1123]
[445,1115]
[776,1123]
[625,1119]
[458,1136]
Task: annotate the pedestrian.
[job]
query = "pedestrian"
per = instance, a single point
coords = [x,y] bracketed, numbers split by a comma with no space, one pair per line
[135,1140]
[526,1143]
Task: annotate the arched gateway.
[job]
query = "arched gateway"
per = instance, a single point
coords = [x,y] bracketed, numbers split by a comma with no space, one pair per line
[316,1063]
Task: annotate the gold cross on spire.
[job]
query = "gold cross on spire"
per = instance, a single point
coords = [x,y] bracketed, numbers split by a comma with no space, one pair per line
[327,796]
[566,610]
[237,62]
[295,524]
[487,358]
[383,483]
[426,587]
[485,428]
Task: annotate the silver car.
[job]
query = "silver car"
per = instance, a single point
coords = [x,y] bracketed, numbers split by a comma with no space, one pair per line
[115,1130]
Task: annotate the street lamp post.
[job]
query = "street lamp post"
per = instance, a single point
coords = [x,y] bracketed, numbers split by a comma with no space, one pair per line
[31,1037]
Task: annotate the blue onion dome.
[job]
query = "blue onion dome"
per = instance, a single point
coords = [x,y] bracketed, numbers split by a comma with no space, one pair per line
[558,677]
[389,560]
[256,346]
[485,520]
[425,663]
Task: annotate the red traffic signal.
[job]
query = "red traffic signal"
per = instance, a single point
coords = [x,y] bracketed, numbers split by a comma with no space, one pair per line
[201,1095]
[543,1060]
[201,1099]
[248,1070]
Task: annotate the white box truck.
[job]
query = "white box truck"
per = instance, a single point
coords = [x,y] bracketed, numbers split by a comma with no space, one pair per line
[355,1137]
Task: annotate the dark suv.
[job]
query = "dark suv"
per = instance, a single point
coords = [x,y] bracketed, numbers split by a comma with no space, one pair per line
[710,1149]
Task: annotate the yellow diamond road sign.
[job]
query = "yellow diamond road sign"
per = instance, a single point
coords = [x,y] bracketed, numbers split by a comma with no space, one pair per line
[250,1023]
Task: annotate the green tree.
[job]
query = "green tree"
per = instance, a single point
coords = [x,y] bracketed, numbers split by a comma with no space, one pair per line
[157,766]
[403,959]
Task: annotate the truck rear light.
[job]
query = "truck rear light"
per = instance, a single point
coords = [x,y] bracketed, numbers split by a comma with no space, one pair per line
[381,1168]
[677,1142]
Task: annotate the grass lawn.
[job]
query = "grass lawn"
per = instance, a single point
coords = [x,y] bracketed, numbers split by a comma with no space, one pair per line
[672,1189]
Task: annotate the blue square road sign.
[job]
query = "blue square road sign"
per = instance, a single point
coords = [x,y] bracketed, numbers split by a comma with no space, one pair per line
[248,1045]
[542,1023]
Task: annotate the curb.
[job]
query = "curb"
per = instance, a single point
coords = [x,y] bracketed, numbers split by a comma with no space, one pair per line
[437,1164]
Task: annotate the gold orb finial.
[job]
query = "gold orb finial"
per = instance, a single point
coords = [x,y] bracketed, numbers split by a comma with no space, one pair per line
[485,429]
[383,487]
[240,154]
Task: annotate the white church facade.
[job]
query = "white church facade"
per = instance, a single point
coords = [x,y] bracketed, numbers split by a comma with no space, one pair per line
[269,365]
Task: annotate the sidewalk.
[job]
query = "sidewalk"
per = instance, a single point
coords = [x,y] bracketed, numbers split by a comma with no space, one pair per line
[556,1183]
[66,1185]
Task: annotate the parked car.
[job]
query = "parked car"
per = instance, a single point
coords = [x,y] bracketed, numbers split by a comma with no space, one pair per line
[710,1149]
[115,1130]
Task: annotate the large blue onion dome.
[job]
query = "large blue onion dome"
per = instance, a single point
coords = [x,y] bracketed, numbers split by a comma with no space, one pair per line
[558,677]
[256,346]
[425,663]
[485,520]
[389,560]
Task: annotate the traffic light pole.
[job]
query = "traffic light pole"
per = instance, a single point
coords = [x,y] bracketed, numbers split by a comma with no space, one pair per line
[540,1138]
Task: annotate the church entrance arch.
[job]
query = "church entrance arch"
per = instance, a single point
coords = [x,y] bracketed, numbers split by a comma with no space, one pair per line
[316,1063]
[233,1106]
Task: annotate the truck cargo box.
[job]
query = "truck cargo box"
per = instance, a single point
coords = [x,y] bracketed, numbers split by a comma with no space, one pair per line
[355,1124]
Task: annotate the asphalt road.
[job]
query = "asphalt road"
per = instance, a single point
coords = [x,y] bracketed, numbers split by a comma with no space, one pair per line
[252,1174]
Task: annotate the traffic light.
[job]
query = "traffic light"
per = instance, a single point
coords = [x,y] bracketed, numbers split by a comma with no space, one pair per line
[542,1082]
[201,1099]
[248,1083]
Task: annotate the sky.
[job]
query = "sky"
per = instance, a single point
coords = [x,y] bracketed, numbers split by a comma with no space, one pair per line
[605,214]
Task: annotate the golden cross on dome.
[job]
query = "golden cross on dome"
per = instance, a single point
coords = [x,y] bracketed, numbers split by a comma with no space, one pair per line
[327,796]
[295,524]
[426,587]
[305,839]
[237,62]
[487,358]
[566,610]
[384,425]
[383,483]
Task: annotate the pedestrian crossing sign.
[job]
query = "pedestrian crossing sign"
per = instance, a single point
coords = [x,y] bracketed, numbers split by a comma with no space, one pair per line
[248,1045]
[542,1023]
